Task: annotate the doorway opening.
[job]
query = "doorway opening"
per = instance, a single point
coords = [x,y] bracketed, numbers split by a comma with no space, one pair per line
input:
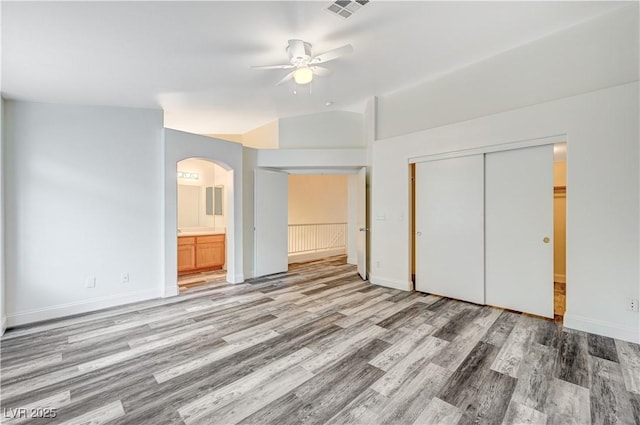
[559,229]
[202,214]
[322,214]
[321,217]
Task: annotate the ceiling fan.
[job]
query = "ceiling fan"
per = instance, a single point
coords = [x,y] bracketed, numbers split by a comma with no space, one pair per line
[303,64]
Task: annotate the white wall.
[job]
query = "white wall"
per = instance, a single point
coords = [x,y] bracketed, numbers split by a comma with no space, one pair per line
[598,53]
[317,198]
[336,159]
[222,178]
[249,164]
[178,146]
[352,219]
[263,137]
[237,138]
[332,129]
[83,197]
[601,129]
[3,314]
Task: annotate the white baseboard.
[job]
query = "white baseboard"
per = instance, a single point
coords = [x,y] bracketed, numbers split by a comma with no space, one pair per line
[78,307]
[3,325]
[560,278]
[600,327]
[238,278]
[390,283]
[171,291]
[309,256]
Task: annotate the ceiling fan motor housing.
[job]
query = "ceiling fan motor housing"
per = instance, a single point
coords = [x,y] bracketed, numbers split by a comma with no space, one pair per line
[299,52]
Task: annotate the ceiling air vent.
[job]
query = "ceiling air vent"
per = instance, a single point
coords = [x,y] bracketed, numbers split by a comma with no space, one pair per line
[346,8]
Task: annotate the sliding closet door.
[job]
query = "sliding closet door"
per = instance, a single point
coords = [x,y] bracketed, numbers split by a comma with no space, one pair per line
[519,228]
[449,210]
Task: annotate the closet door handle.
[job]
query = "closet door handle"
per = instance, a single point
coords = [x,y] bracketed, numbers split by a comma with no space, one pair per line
[419,233]
[546,239]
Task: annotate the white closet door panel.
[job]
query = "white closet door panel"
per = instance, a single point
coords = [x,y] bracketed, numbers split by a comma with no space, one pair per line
[450,228]
[519,216]
[271,222]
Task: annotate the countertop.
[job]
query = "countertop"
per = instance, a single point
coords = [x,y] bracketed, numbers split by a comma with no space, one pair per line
[200,232]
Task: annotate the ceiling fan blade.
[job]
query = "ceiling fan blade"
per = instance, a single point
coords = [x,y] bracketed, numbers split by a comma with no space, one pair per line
[286,66]
[320,70]
[332,54]
[286,78]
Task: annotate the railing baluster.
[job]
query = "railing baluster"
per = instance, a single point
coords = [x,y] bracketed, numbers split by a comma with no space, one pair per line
[316,237]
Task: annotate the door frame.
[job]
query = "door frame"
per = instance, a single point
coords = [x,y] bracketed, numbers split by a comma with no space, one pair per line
[342,170]
[171,222]
[550,140]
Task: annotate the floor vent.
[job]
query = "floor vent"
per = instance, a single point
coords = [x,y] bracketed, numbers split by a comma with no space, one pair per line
[346,8]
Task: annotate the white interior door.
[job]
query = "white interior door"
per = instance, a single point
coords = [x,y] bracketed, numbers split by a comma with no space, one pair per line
[271,222]
[519,228]
[449,210]
[362,222]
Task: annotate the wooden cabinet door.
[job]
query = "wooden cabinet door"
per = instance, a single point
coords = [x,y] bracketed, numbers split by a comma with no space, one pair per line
[210,254]
[206,255]
[186,257]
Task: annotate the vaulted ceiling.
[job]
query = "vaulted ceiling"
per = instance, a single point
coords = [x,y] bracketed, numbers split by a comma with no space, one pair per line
[193,59]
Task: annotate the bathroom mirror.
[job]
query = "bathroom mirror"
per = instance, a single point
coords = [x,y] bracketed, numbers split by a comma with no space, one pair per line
[209,200]
[188,206]
[218,200]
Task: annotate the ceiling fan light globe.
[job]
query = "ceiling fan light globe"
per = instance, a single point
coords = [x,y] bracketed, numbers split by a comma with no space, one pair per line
[303,76]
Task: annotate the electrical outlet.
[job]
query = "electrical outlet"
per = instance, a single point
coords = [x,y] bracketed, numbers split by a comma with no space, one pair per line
[124,277]
[632,304]
[90,282]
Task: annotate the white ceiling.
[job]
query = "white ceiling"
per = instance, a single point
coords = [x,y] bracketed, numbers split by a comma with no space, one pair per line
[193,59]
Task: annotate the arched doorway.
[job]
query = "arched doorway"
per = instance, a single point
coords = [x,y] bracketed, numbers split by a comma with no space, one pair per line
[202,205]
[179,145]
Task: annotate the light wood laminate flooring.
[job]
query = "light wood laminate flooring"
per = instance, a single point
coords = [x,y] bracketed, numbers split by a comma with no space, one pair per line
[312,346]
[189,281]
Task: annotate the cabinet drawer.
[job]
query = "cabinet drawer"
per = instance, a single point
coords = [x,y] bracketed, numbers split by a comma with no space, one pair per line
[209,238]
[186,240]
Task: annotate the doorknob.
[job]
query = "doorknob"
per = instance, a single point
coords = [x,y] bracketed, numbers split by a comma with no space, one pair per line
[419,233]
[363,229]
[546,240]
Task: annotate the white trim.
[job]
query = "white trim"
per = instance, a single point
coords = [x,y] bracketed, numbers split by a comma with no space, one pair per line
[390,283]
[560,278]
[235,279]
[3,325]
[170,291]
[311,158]
[309,256]
[601,327]
[558,138]
[78,307]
